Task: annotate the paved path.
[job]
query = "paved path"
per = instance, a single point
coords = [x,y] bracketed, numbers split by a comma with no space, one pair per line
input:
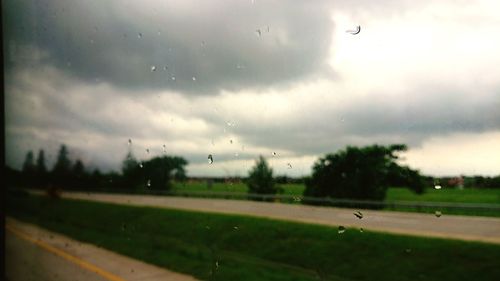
[447,226]
[35,254]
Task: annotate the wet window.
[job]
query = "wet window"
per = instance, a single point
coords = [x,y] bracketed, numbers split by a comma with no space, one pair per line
[252,140]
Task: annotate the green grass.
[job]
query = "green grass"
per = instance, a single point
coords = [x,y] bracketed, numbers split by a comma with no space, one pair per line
[491,196]
[259,249]
[393,194]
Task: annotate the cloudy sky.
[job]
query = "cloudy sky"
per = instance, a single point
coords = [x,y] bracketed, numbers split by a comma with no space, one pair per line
[238,79]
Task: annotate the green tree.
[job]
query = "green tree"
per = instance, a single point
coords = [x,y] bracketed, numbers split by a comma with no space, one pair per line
[160,171]
[29,164]
[41,169]
[353,173]
[260,178]
[29,170]
[61,172]
[131,174]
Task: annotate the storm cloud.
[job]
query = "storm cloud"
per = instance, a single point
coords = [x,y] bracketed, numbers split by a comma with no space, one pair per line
[238,79]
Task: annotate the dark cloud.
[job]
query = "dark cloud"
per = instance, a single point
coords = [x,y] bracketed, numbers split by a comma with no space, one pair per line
[206,45]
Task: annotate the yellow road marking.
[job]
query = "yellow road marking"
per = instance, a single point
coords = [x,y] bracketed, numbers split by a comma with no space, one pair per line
[71,258]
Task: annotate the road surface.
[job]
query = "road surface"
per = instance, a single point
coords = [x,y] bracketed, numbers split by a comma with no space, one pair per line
[35,254]
[447,226]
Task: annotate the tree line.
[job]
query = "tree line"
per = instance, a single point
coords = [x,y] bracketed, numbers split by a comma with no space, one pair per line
[156,173]
[352,173]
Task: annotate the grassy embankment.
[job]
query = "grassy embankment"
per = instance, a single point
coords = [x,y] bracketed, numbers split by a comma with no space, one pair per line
[247,248]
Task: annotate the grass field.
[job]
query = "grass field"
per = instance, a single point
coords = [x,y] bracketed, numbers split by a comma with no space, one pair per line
[245,248]
[487,196]
[393,194]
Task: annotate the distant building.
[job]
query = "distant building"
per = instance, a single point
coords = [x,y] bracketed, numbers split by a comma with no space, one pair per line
[457,182]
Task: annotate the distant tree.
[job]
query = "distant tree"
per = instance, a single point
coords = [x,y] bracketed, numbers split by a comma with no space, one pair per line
[40,162]
[41,169]
[403,176]
[28,170]
[131,173]
[160,171]
[260,178]
[61,172]
[353,173]
[29,164]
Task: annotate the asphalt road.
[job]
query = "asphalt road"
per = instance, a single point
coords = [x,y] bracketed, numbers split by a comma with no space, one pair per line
[447,226]
[35,254]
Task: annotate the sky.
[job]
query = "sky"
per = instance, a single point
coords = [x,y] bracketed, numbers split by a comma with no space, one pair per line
[239,79]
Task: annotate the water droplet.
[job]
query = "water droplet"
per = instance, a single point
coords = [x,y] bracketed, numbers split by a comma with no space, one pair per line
[408,250]
[193,78]
[129,142]
[343,175]
[207,227]
[438,214]
[259,32]
[140,165]
[341,229]
[164,149]
[354,31]
[147,150]
[210,159]
[361,229]
[437,186]
[159,32]
[165,68]
[235,228]
[153,68]
[289,165]
[274,153]
[296,199]
[173,78]
[231,141]
[139,35]
[236,154]
[149,183]
[342,119]
[358,214]
[91,41]
[216,264]
[124,226]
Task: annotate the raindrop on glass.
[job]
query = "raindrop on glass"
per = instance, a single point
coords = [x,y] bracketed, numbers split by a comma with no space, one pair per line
[296,199]
[173,78]
[129,142]
[438,214]
[139,35]
[361,229]
[235,228]
[231,141]
[289,165]
[216,264]
[358,214]
[153,68]
[341,229]
[274,153]
[236,154]
[165,68]
[259,32]
[147,150]
[193,78]
[140,165]
[164,148]
[210,159]
[149,183]
[437,186]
